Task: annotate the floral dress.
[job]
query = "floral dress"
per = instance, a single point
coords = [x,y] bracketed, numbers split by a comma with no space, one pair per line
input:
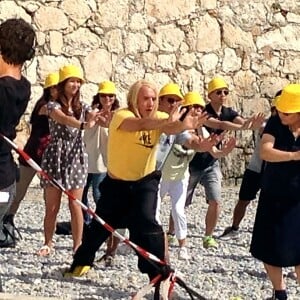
[65,159]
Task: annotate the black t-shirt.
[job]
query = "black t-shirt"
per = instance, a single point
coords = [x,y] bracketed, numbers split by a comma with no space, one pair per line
[38,140]
[14,97]
[202,160]
[281,180]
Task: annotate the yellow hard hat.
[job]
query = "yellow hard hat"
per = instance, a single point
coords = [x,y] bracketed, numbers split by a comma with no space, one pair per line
[289,100]
[192,98]
[274,101]
[107,87]
[170,89]
[51,80]
[69,71]
[216,83]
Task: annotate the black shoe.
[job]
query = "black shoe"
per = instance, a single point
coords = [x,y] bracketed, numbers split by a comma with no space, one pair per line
[230,232]
[279,295]
[63,228]
[8,236]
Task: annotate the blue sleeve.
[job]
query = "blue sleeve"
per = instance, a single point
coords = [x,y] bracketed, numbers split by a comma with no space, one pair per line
[182,137]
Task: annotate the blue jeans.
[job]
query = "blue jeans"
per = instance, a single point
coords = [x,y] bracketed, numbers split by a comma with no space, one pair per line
[93,180]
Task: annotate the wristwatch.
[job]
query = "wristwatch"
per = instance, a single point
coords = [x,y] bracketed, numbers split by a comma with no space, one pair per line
[82,125]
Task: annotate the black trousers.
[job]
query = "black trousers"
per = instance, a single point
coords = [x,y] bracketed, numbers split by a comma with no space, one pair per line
[126,204]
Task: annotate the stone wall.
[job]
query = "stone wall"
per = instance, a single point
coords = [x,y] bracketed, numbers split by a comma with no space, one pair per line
[255,45]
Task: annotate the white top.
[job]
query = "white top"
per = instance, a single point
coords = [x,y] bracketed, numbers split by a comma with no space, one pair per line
[95,140]
[177,162]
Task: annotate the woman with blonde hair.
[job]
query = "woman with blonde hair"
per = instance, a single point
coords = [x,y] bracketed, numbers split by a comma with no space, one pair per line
[65,158]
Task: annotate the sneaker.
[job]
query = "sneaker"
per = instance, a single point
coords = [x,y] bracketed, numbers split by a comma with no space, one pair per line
[77,272]
[171,239]
[209,242]
[183,253]
[230,233]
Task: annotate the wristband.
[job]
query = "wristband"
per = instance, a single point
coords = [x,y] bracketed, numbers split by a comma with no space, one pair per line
[82,125]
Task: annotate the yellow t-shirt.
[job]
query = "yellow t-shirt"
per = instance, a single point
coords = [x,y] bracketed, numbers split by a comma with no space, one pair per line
[131,154]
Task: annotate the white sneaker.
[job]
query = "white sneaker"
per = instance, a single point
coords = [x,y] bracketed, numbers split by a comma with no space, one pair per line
[183,253]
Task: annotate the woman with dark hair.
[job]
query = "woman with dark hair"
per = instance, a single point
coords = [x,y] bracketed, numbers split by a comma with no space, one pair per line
[35,146]
[96,146]
[276,231]
[65,158]
[96,141]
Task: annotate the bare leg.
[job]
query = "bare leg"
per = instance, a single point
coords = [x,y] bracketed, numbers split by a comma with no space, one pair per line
[52,203]
[297,271]
[76,218]
[239,212]
[112,245]
[276,277]
[26,176]
[212,216]
[182,243]
[171,225]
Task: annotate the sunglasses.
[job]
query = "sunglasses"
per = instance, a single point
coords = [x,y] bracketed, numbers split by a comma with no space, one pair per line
[196,106]
[286,114]
[224,92]
[107,95]
[172,100]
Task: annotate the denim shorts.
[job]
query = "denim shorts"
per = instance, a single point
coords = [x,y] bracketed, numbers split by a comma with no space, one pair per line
[210,178]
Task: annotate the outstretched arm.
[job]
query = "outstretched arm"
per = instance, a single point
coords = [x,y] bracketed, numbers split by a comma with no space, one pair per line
[227,146]
[169,125]
[239,123]
[60,117]
[201,144]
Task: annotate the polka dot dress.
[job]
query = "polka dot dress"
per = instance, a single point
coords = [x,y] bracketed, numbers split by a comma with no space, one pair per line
[65,158]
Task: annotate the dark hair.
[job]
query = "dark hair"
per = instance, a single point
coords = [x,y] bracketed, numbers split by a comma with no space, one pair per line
[17,41]
[186,112]
[75,105]
[45,98]
[96,101]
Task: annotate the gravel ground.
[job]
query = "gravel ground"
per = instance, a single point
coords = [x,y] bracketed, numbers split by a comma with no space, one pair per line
[224,273]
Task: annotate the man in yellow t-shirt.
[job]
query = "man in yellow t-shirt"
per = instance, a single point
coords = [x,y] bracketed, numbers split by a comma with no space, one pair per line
[129,191]
[123,145]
